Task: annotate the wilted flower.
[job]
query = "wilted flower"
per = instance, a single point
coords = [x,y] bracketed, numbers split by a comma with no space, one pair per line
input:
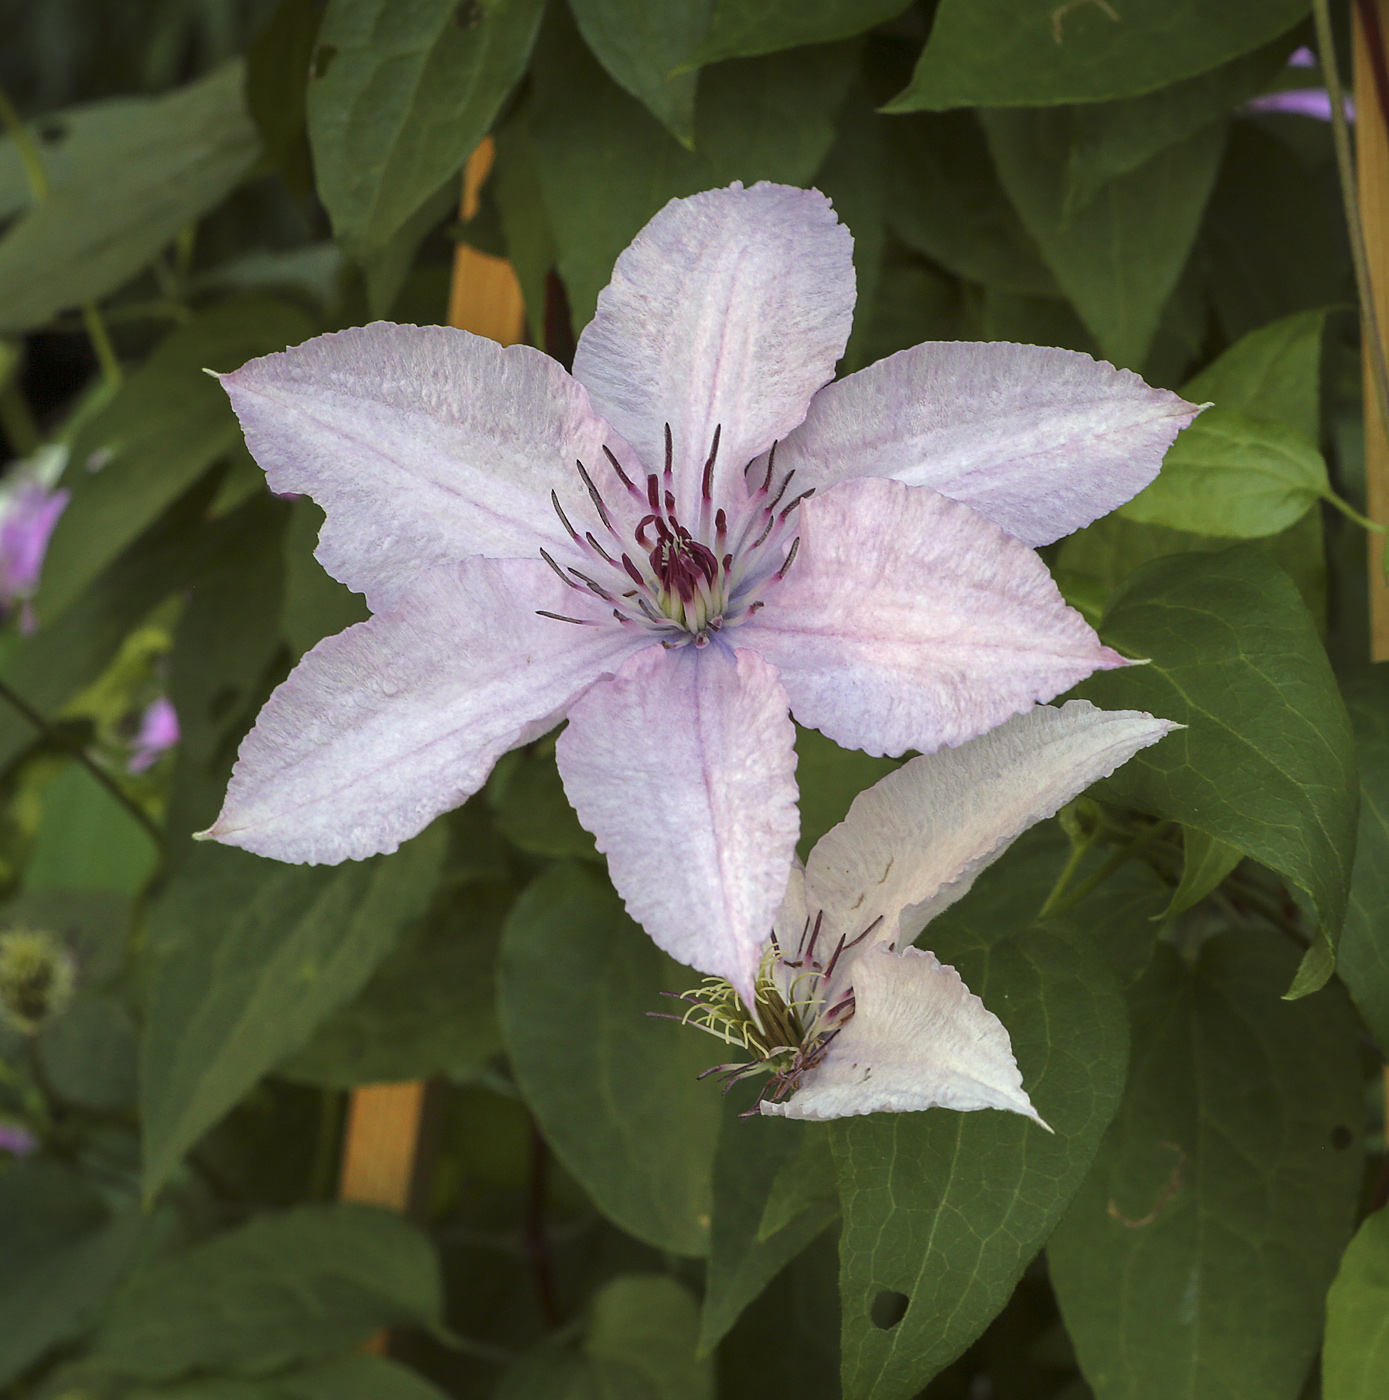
[29,511]
[158,733]
[37,974]
[850,1018]
[632,548]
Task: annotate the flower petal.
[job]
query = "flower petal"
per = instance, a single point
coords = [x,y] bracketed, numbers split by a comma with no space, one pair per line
[683,767]
[423,444]
[914,842]
[908,621]
[1041,441]
[397,719]
[919,1038]
[730,308]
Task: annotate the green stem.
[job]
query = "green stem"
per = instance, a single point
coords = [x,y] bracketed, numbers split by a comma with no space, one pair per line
[101,345]
[24,146]
[1369,320]
[61,741]
[1056,905]
[18,421]
[1079,850]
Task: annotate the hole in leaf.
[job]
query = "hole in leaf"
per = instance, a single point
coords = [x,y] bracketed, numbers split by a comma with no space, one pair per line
[888,1309]
[322,60]
[1341,1137]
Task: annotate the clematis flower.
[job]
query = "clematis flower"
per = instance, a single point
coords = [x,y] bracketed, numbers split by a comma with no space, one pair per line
[848,1016]
[692,535]
[29,511]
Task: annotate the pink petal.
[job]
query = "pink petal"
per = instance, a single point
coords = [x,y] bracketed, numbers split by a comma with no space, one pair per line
[384,726]
[683,767]
[730,308]
[423,444]
[908,621]
[1041,441]
[913,843]
[918,1039]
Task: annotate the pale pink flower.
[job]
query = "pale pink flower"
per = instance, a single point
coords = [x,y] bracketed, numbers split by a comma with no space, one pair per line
[158,733]
[632,547]
[17,1141]
[29,511]
[849,1017]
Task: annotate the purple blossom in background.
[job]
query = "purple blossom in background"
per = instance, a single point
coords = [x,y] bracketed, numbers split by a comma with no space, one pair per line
[29,510]
[1301,102]
[17,1141]
[158,733]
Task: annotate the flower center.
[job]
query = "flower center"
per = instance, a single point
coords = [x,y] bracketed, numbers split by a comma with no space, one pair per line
[682,582]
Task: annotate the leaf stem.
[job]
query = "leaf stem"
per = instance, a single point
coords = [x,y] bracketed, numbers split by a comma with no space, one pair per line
[1057,904]
[59,740]
[101,345]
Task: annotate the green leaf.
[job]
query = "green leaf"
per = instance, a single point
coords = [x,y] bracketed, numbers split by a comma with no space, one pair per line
[1355,1358]
[945,200]
[161,431]
[281,1289]
[752,1154]
[358,1378]
[615,1092]
[316,605]
[89,1053]
[277,74]
[942,1210]
[131,183]
[606,166]
[1195,1260]
[250,956]
[804,1181]
[829,779]
[428,1009]
[528,801]
[1363,957]
[1230,475]
[744,28]
[1119,256]
[1206,863]
[1267,763]
[1032,53]
[642,45]
[402,96]
[530,244]
[87,840]
[1273,374]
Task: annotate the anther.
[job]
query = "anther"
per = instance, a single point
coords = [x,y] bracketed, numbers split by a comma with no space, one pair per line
[653,490]
[786,481]
[670,450]
[563,578]
[708,487]
[786,510]
[560,617]
[563,518]
[617,467]
[790,558]
[593,492]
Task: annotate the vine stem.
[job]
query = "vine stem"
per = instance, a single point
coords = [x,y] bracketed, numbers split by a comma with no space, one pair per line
[535,1239]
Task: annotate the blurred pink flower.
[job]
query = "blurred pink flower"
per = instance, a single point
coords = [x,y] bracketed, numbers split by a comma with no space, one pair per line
[157,734]
[1301,102]
[29,510]
[15,1140]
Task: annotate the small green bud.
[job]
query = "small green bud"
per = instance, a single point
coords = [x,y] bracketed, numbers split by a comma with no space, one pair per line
[36,976]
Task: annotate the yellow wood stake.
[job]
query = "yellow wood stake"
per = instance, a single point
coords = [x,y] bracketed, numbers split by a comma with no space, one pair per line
[382,1137]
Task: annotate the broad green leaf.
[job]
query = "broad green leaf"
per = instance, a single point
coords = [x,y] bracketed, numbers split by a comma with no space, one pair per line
[428,1009]
[1119,256]
[531,810]
[87,840]
[357,1378]
[606,165]
[316,605]
[89,1053]
[165,426]
[1273,241]
[1363,957]
[1195,1260]
[281,1289]
[277,74]
[642,46]
[804,1181]
[752,1153]
[942,1210]
[1031,53]
[1355,1356]
[530,244]
[744,28]
[945,200]
[131,183]
[1230,475]
[1266,763]
[915,301]
[829,779]
[249,957]
[1206,863]
[1273,374]
[614,1092]
[403,94]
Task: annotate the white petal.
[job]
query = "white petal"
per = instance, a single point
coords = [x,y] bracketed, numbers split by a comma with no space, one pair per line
[397,719]
[423,444]
[919,1038]
[909,621]
[683,767]
[730,308]
[1042,441]
[914,842]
